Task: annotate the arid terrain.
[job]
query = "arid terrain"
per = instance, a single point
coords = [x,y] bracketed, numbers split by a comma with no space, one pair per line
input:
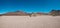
[29,22]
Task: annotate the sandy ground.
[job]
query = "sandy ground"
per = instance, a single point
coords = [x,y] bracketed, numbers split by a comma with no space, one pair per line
[29,22]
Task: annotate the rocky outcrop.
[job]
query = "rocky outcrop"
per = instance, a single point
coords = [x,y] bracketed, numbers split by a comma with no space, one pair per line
[55,12]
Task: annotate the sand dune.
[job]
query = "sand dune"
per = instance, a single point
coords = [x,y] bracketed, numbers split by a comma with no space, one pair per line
[29,22]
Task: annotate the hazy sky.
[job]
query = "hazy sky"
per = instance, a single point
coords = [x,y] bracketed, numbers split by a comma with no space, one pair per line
[29,5]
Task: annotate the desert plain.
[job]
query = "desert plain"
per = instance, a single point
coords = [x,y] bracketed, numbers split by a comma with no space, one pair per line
[29,22]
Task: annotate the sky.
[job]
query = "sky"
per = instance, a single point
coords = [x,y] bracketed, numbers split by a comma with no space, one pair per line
[29,5]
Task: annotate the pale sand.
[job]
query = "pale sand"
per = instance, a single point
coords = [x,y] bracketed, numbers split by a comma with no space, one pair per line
[29,22]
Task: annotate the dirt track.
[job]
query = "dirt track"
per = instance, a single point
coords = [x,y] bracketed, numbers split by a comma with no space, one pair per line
[29,22]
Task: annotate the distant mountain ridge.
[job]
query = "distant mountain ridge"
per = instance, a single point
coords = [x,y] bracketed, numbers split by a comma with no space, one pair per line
[22,13]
